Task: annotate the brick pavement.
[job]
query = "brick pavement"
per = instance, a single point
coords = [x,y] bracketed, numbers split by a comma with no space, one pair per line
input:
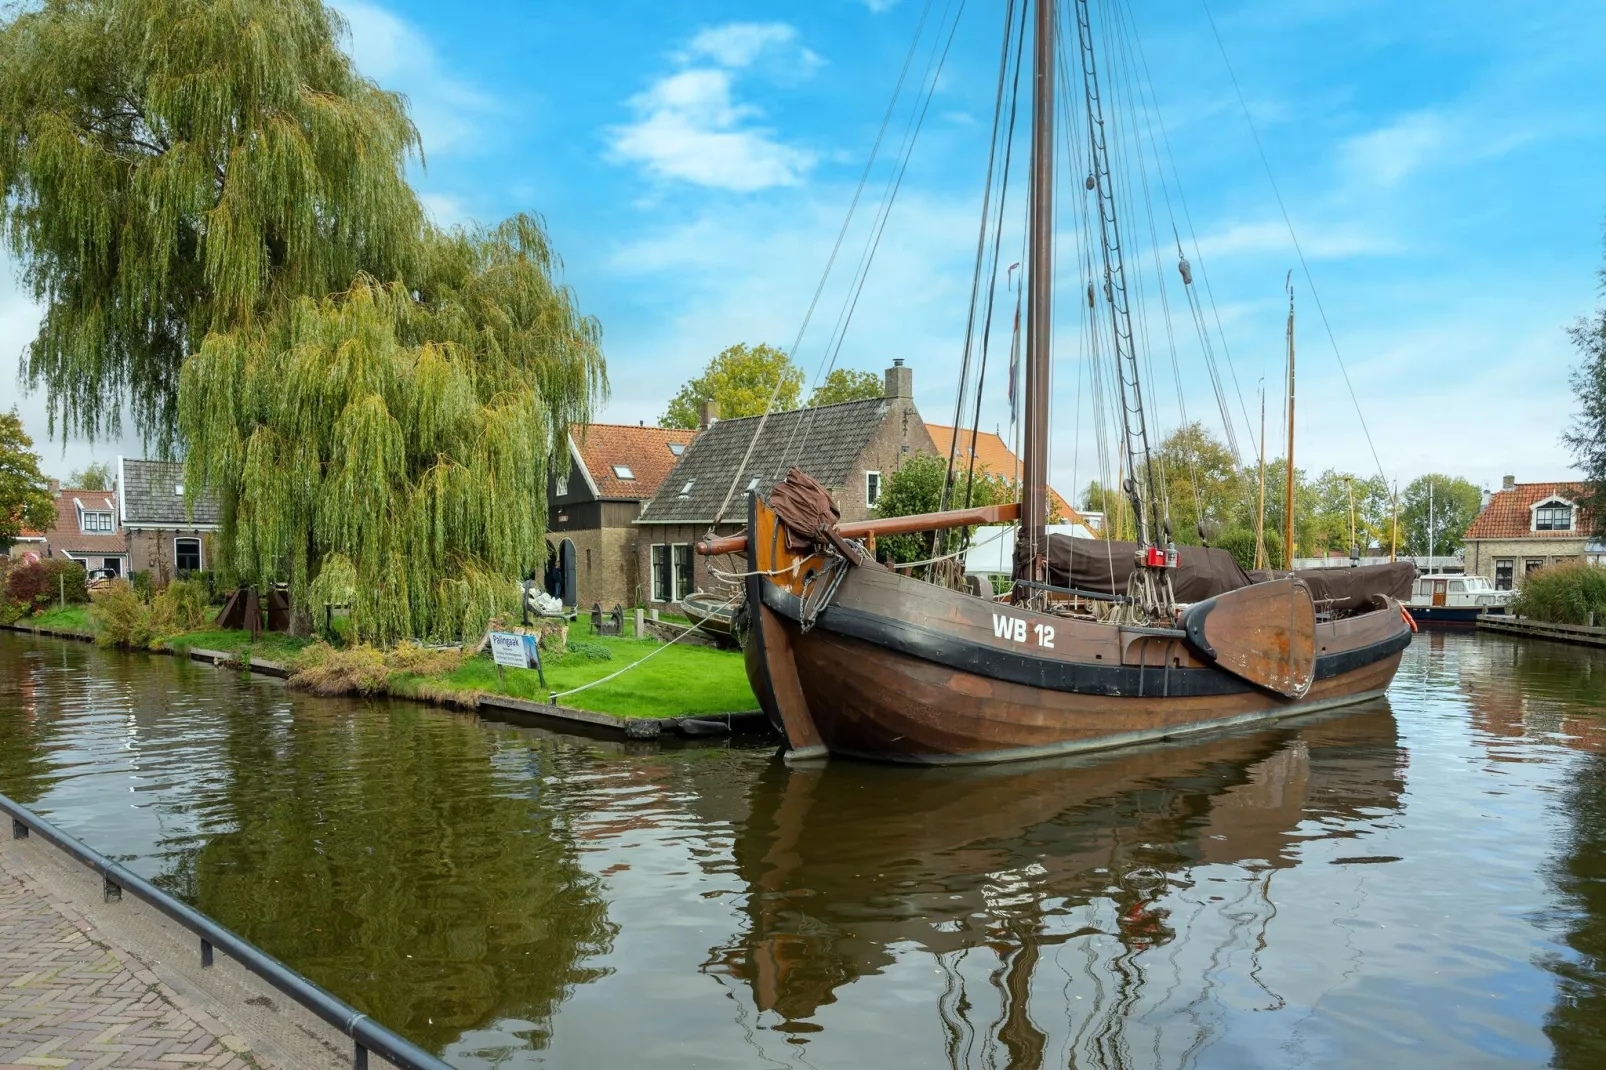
[72,1000]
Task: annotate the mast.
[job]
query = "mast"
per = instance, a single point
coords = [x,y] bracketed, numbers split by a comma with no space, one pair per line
[1039,299]
[1260,516]
[1394,526]
[1288,516]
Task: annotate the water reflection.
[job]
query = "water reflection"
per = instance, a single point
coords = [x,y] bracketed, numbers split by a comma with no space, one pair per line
[849,868]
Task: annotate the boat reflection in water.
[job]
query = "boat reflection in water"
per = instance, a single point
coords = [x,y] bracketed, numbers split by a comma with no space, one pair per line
[1158,862]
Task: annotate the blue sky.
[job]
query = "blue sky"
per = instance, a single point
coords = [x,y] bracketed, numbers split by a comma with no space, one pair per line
[1442,163]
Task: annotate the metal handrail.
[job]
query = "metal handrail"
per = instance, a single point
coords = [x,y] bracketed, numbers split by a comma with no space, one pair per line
[365,1033]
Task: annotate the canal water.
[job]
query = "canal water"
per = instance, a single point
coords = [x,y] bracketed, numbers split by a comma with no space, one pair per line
[1419,881]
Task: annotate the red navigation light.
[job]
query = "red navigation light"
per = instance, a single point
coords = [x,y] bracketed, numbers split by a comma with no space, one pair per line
[1153,557]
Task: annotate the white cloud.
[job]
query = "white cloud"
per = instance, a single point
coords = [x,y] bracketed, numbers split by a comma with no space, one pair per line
[878,6]
[690,127]
[1386,156]
[386,48]
[1271,236]
[445,209]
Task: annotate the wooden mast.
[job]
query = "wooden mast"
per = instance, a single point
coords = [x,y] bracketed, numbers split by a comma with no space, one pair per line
[1039,299]
[1260,515]
[1288,515]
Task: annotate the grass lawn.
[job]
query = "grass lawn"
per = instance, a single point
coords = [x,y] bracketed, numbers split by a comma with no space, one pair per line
[681,681]
[274,646]
[67,619]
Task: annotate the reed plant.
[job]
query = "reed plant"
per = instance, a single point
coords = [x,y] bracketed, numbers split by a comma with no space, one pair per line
[1563,594]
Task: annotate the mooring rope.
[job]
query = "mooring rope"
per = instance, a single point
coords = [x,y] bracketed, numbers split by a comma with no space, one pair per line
[615,675]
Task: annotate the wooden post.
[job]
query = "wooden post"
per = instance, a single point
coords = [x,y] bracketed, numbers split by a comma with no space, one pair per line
[641,623]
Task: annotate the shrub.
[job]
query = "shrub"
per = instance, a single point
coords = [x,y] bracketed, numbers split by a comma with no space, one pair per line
[11,611]
[40,583]
[180,607]
[1563,594]
[123,619]
[141,582]
[423,661]
[323,670]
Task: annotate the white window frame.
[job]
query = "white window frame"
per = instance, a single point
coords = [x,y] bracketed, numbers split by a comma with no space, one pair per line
[676,593]
[623,471]
[868,498]
[100,516]
[200,551]
[562,485]
[1552,502]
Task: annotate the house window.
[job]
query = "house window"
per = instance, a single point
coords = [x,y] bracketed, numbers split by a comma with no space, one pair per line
[685,492]
[622,471]
[1532,564]
[677,448]
[662,577]
[1553,516]
[562,485]
[683,584]
[186,555]
[114,565]
[1502,574]
[872,487]
[101,522]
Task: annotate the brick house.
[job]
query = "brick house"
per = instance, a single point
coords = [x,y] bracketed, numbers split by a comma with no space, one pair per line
[85,530]
[850,447]
[591,533]
[163,537]
[1527,526]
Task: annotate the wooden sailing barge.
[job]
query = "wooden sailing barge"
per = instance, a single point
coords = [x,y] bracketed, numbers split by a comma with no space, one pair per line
[849,657]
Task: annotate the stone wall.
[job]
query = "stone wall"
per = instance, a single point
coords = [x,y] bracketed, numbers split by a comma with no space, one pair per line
[901,435]
[1481,554]
[690,534]
[152,551]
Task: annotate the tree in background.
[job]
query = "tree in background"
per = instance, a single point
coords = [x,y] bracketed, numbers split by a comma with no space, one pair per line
[1587,436]
[25,500]
[1202,484]
[846,384]
[916,487]
[93,476]
[186,186]
[1455,505]
[741,380]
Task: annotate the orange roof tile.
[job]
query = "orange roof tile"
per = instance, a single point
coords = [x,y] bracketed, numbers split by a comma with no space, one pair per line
[1509,513]
[997,458]
[65,535]
[642,451]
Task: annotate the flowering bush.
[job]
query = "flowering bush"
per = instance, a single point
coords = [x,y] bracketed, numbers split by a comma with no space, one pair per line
[39,583]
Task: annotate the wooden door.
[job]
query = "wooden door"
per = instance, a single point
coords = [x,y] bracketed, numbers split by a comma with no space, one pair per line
[1439,587]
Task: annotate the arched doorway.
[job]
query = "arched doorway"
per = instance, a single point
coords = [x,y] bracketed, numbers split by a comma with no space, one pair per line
[566,570]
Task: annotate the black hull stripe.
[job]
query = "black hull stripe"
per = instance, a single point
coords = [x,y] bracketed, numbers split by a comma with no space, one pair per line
[1083,678]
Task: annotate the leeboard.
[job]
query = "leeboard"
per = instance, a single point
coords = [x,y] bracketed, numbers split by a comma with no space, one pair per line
[1264,633]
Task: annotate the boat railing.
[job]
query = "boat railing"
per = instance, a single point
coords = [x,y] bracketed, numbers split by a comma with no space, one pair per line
[366,1034]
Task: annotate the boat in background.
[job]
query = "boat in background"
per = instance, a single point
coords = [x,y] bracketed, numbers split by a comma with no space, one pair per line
[1456,600]
[711,614]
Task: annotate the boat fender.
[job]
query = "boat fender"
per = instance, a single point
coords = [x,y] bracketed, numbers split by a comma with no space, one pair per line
[1405,614]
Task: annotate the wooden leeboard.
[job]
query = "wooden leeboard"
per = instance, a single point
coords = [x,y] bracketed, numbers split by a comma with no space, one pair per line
[1264,633]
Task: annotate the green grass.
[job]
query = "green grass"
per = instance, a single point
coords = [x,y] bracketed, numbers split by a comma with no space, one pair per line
[273,646]
[68,619]
[681,681]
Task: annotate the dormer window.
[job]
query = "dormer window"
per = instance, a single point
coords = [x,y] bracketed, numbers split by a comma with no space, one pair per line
[1553,515]
[677,448]
[99,523]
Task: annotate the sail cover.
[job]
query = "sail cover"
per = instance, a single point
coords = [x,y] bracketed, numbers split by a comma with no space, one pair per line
[1103,567]
[1344,590]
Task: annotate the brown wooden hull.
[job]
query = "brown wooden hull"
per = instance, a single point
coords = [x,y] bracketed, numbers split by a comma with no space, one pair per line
[895,669]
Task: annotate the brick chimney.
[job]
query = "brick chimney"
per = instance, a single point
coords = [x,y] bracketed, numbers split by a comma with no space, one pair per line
[55,488]
[707,414]
[1508,483]
[900,380]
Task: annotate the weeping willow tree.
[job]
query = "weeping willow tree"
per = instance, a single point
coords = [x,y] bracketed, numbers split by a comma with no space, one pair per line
[212,206]
[395,446]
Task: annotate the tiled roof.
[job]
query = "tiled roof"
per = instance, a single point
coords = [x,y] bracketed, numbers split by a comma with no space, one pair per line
[64,534]
[150,496]
[642,451]
[1508,514]
[997,458]
[825,446]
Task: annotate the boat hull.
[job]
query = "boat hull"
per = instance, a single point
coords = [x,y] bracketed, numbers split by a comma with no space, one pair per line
[1452,616]
[896,669]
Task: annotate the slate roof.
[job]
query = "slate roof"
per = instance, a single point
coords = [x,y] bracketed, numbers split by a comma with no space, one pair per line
[825,446]
[1508,516]
[65,535]
[998,458]
[643,450]
[148,494]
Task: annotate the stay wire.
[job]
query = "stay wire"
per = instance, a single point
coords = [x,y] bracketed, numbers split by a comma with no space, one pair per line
[1304,266]
[819,289]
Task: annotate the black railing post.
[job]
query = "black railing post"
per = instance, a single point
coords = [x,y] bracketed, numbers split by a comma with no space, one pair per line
[111,891]
[19,831]
[206,954]
[359,1057]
